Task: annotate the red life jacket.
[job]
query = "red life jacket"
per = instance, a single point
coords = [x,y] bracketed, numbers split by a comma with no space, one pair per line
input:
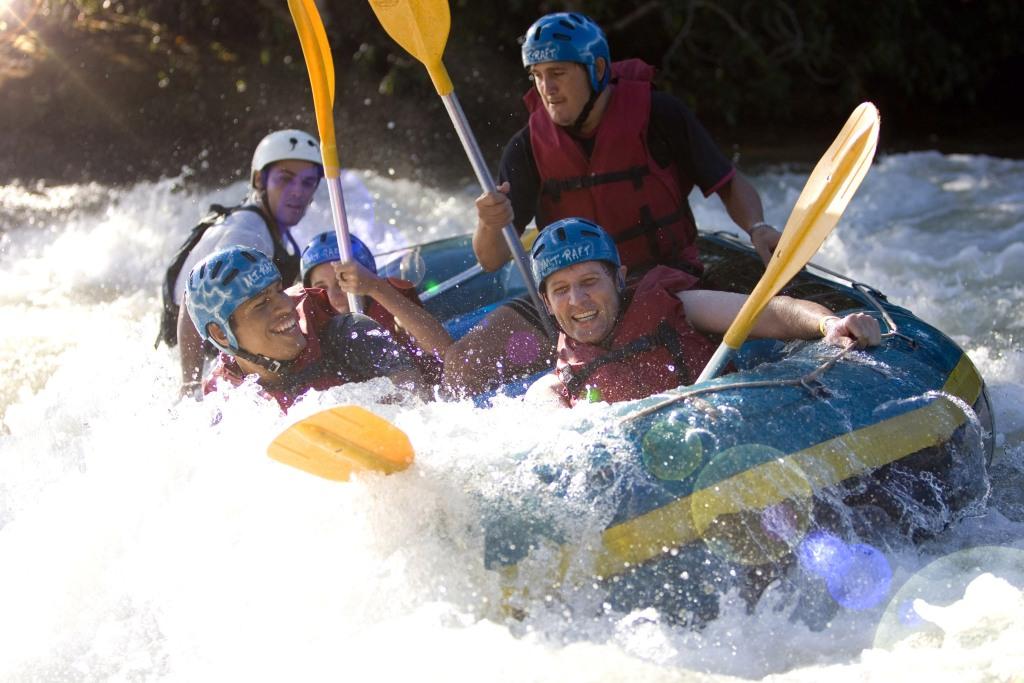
[652,348]
[620,187]
[315,311]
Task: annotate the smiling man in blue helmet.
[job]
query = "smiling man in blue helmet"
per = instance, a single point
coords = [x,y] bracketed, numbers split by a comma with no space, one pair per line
[600,143]
[391,302]
[620,342]
[285,173]
[291,342]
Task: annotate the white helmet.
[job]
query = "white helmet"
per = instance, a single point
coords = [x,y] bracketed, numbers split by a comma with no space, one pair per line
[282,145]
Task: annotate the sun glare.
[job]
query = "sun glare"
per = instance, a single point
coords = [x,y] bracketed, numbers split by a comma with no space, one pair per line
[15,15]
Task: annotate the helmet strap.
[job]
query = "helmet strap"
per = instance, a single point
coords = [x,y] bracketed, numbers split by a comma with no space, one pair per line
[274,366]
[577,125]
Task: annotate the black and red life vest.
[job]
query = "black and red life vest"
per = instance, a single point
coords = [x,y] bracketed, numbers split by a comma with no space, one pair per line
[652,349]
[620,186]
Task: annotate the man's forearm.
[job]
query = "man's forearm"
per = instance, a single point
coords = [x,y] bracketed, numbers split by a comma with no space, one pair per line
[788,318]
[742,203]
[429,334]
[490,248]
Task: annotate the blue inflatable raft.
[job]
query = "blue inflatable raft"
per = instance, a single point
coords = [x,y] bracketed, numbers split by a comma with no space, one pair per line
[798,455]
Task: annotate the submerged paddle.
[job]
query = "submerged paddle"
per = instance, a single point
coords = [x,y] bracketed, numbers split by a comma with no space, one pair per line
[338,441]
[829,189]
[320,65]
[421,28]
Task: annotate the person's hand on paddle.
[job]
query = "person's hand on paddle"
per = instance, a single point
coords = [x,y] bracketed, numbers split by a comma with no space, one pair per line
[191,390]
[765,238]
[857,329]
[354,278]
[494,209]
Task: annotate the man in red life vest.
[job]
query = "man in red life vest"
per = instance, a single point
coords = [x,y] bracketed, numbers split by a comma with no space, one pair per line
[619,344]
[292,343]
[601,144]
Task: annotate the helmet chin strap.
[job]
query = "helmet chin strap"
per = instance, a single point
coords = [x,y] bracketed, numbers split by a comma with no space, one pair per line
[274,366]
[577,125]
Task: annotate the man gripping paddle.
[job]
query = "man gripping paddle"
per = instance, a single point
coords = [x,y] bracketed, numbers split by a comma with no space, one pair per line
[602,144]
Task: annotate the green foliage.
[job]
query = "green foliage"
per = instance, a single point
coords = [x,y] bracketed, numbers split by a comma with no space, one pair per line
[735,61]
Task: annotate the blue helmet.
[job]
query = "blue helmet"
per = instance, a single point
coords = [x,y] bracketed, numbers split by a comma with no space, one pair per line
[568,242]
[568,37]
[222,282]
[324,249]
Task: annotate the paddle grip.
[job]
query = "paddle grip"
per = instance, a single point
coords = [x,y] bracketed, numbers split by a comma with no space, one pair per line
[483,176]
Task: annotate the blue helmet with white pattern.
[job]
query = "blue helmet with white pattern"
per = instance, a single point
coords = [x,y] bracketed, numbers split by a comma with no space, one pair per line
[324,249]
[222,282]
[568,37]
[568,242]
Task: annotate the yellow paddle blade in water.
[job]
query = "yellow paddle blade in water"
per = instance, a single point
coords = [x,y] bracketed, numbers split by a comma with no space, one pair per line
[421,27]
[320,65]
[338,441]
[829,189]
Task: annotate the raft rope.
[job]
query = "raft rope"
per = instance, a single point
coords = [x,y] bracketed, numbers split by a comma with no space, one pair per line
[811,382]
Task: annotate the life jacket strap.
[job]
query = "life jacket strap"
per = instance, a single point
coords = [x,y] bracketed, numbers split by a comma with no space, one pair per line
[664,336]
[554,187]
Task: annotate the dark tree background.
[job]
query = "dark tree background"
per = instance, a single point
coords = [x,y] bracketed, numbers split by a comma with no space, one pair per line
[116,91]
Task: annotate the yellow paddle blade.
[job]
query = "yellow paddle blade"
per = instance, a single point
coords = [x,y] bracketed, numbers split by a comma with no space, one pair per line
[323,47]
[320,66]
[529,237]
[338,441]
[829,189]
[421,28]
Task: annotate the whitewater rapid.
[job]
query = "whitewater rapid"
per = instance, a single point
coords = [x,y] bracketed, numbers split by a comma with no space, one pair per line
[143,538]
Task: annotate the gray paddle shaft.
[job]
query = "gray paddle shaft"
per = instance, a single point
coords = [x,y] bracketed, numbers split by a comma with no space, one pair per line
[483,176]
[340,219]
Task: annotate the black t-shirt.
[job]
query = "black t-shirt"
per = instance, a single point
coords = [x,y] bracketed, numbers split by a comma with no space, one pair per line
[673,135]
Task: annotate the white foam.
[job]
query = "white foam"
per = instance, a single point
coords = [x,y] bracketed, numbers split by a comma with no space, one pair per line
[144,538]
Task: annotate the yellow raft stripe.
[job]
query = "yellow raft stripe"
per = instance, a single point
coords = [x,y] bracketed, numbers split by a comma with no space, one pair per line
[647,536]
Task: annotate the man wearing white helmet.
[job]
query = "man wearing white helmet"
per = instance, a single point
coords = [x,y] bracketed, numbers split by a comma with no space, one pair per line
[286,171]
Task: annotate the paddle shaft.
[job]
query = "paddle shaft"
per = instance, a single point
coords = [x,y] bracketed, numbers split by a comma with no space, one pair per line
[340,220]
[471,272]
[453,281]
[320,65]
[483,176]
[718,361]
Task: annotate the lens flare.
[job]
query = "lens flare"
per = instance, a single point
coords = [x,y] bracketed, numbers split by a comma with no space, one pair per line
[942,584]
[15,17]
[523,348]
[823,554]
[866,580]
[672,452]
